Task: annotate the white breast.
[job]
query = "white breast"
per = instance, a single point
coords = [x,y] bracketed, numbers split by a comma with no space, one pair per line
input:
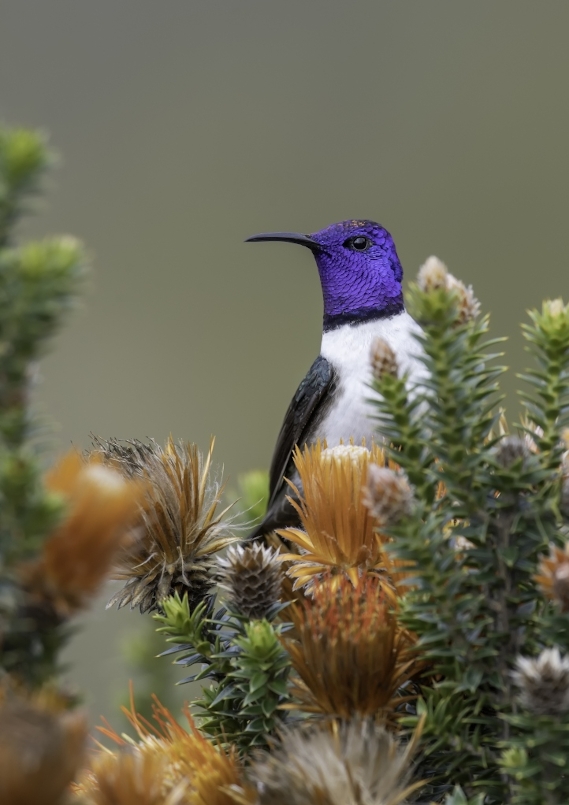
[348,350]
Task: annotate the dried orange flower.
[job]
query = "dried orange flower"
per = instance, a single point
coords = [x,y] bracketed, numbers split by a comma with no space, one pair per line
[40,752]
[189,763]
[130,777]
[77,557]
[553,576]
[349,652]
[181,526]
[338,530]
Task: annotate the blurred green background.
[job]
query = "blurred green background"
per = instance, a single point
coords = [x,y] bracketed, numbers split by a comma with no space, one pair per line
[185,126]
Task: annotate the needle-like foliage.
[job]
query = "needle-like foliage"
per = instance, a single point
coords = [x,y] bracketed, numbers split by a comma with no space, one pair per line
[475,550]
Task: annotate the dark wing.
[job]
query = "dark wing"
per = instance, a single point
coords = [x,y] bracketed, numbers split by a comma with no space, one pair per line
[305,411]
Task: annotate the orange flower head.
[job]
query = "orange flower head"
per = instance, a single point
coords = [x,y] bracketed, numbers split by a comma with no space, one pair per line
[77,557]
[553,576]
[338,530]
[190,766]
[40,752]
[348,650]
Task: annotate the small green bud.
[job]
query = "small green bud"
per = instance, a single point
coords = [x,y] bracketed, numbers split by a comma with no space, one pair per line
[55,258]
[554,308]
[23,154]
[551,327]
[261,636]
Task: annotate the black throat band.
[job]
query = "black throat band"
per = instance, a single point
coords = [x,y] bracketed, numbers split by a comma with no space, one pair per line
[332,322]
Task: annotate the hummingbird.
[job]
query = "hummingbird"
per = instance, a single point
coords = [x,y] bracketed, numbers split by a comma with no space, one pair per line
[361,276]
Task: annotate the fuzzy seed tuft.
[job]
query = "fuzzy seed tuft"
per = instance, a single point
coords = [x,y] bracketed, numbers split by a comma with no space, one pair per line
[432,275]
[387,494]
[383,359]
[543,682]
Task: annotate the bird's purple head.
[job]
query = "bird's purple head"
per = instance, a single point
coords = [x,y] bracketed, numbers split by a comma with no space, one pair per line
[359,269]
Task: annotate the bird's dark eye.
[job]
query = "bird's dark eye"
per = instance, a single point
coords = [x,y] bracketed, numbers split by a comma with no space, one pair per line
[358,244]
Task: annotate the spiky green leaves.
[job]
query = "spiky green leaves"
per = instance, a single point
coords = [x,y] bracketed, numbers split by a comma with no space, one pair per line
[246,661]
[546,401]
[23,158]
[38,284]
[487,508]
[38,281]
[259,674]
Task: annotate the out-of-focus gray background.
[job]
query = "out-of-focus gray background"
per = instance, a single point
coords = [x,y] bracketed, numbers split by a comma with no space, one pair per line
[186,125]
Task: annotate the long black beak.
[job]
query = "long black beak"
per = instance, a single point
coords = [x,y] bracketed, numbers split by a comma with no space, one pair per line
[290,237]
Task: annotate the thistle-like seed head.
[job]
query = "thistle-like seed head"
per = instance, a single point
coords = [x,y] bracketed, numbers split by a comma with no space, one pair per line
[180,530]
[170,764]
[553,576]
[434,275]
[350,763]
[510,449]
[468,304]
[387,494]
[383,359]
[543,682]
[252,577]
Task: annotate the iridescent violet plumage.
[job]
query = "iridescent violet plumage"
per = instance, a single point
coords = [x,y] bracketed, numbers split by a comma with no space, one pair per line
[358,285]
